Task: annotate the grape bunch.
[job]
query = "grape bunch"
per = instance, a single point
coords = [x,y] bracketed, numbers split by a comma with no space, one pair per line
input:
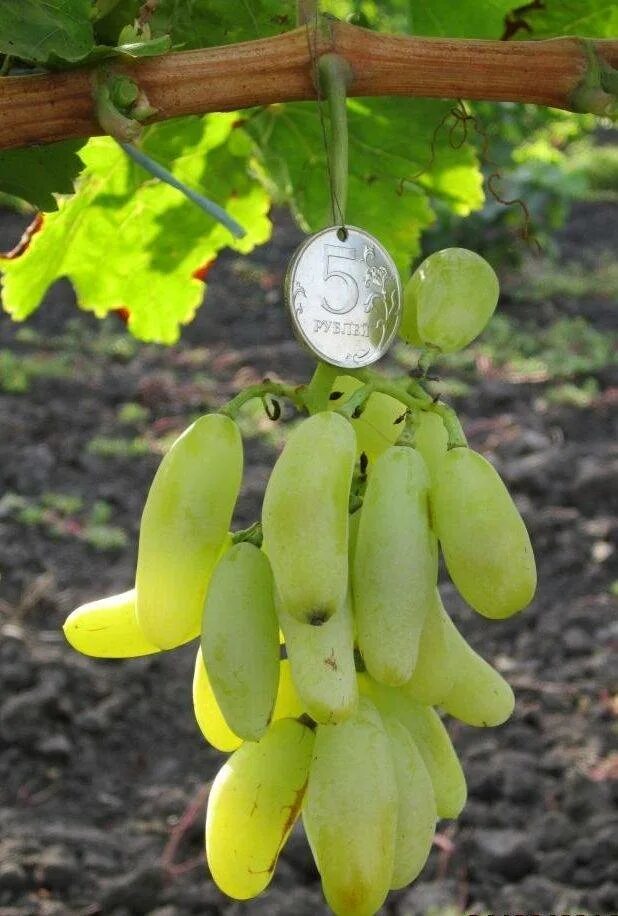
[326,658]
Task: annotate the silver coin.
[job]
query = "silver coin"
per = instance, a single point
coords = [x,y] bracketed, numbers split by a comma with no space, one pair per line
[344,295]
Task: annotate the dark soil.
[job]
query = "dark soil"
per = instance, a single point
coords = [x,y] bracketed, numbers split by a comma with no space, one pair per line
[99,761]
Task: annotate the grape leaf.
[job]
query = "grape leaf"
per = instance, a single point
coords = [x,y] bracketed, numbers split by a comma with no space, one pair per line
[592,19]
[35,31]
[464,19]
[126,240]
[444,18]
[390,141]
[204,23]
[151,48]
[36,173]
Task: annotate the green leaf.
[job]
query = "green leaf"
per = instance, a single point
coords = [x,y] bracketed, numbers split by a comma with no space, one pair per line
[464,19]
[204,23]
[151,48]
[444,18]
[392,174]
[36,30]
[36,173]
[588,18]
[126,240]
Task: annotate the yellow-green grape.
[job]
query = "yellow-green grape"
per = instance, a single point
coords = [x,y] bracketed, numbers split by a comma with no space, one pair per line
[433,742]
[431,440]
[479,695]
[395,565]
[305,517]
[288,703]
[375,428]
[184,526]
[240,639]
[448,300]
[322,663]
[350,812]
[408,329]
[253,804]
[484,540]
[207,712]
[108,628]
[416,813]
[436,668]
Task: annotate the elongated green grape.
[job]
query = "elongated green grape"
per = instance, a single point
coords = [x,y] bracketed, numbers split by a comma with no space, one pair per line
[208,715]
[288,704]
[240,639]
[416,813]
[305,517]
[184,526]
[479,695]
[375,429]
[108,628]
[484,540]
[253,804]
[435,671]
[431,440]
[441,760]
[448,300]
[395,565]
[432,740]
[322,663]
[210,719]
[350,812]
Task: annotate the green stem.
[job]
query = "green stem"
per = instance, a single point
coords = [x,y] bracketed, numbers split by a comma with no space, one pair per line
[456,435]
[277,389]
[359,398]
[408,433]
[335,75]
[412,395]
[427,359]
[253,534]
[317,392]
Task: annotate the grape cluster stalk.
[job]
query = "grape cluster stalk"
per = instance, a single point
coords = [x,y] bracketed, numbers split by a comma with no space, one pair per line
[326,658]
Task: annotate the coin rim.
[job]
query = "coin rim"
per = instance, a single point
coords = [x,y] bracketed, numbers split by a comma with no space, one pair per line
[299,333]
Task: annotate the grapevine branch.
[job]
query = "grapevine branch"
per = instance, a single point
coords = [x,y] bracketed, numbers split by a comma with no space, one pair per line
[558,72]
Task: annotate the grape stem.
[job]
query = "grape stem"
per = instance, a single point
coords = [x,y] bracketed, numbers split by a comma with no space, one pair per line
[314,397]
[427,359]
[295,394]
[316,393]
[411,394]
[252,534]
